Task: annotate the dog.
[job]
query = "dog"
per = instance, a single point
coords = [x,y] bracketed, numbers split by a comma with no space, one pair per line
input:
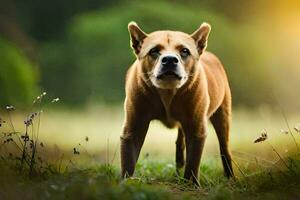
[176,81]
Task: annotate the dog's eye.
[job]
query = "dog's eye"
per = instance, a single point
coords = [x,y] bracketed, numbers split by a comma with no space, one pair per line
[154,52]
[184,52]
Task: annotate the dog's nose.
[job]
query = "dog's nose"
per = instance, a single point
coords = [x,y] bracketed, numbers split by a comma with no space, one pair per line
[169,61]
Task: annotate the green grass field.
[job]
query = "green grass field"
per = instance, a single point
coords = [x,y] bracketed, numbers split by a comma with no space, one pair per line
[262,173]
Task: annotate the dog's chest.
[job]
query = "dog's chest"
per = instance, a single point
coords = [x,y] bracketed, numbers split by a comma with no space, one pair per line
[166,97]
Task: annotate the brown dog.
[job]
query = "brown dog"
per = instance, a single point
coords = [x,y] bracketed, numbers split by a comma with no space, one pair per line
[176,81]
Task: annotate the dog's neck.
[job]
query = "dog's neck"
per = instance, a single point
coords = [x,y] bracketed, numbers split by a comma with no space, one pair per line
[166,96]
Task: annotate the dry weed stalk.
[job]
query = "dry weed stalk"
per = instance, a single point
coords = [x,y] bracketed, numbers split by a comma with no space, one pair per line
[27,143]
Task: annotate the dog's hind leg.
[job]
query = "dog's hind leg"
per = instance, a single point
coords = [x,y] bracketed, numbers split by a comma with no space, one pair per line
[180,146]
[221,123]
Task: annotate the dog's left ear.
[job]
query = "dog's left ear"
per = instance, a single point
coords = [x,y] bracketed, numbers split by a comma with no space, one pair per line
[137,37]
[201,36]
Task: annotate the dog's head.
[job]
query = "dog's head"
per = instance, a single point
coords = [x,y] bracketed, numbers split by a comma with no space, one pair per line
[168,58]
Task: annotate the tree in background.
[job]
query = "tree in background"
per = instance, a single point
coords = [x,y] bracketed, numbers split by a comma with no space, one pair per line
[18,71]
[18,77]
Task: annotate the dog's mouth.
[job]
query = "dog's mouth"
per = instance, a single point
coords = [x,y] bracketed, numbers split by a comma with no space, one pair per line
[169,75]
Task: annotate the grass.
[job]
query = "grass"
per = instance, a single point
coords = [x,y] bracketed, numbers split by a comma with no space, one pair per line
[154,180]
[79,158]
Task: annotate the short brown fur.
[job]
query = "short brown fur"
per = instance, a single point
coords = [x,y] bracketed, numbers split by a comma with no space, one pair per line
[204,96]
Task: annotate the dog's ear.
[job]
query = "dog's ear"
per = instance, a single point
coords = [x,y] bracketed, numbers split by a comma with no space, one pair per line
[201,36]
[136,37]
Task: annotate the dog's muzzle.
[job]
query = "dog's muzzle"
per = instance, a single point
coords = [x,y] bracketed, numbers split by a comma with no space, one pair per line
[168,70]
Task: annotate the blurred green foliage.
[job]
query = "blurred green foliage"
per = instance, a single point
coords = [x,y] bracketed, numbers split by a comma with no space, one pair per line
[83,52]
[18,77]
[95,54]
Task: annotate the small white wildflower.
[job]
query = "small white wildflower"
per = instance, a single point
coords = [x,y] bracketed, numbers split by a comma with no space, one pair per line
[55,100]
[169,165]
[10,108]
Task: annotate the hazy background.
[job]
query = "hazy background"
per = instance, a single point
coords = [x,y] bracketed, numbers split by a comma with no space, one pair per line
[79,51]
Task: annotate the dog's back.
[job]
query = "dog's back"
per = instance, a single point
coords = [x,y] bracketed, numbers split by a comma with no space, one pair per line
[218,87]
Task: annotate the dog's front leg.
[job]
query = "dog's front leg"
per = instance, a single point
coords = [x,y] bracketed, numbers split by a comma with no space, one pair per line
[195,135]
[132,140]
